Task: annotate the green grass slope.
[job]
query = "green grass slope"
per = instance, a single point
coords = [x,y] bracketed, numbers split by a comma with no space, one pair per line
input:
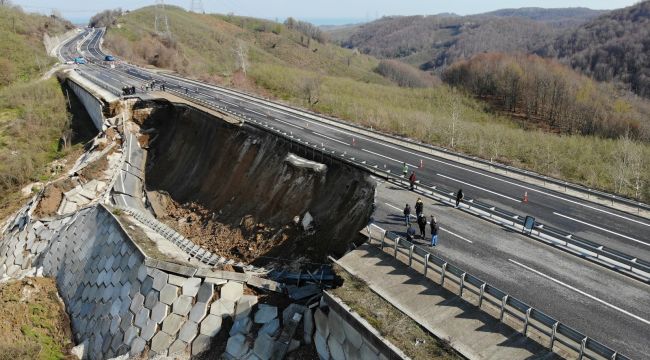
[33,113]
[283,64]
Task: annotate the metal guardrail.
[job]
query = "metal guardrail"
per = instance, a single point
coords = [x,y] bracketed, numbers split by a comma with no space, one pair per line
[561,183]
[505,304]
[638,267]
[631,264]
[189,247]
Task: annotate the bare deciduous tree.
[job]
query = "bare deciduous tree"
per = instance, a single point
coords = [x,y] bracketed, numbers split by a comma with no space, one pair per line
[241,51]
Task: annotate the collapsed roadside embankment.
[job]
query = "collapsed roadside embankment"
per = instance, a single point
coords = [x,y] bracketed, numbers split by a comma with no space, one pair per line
[242,192]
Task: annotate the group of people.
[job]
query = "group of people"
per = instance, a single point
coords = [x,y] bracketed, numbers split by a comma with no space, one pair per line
[422,223]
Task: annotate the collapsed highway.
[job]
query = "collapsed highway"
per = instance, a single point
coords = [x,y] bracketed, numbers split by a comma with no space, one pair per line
[604,304]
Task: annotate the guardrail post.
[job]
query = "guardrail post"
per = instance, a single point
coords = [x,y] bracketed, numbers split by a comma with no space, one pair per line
[426,264]
[411,255]
[383,240]
[462,284]
[526,320]
[504,300]
[396,245]
[583,344]
[442,274]
[480,297]
[553,333]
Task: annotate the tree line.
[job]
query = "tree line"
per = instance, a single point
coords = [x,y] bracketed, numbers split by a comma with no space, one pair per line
[547,93]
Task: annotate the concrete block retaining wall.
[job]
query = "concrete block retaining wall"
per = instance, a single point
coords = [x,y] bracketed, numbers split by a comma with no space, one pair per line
[119,301]
[342,334]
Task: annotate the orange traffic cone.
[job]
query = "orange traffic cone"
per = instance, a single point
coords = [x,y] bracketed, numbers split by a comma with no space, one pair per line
[525,196]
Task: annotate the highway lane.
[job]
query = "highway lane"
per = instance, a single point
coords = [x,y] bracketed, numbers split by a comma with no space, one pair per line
[621,231]
[604,305]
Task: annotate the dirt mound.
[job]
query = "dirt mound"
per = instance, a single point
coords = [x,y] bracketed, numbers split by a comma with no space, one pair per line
[237,190]
[52,196]
[33,322]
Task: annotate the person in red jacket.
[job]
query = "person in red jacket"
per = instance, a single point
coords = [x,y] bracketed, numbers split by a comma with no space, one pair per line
[412,180]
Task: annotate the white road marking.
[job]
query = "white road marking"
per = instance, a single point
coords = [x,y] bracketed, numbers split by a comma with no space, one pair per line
[389,158]
[478,187]
[581,292]
[459,167]
[603,229]
[443,229]
[255,112]
[318,123]
[290,124]
[330,138]
[228,102]
[456,235]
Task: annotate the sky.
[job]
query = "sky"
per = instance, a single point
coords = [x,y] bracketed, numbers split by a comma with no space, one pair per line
[333,12]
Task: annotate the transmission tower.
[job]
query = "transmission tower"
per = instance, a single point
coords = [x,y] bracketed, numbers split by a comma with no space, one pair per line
[197,6]
[161,24]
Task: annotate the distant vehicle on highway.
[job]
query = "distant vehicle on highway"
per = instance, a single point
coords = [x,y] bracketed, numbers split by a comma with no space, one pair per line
[79,60]
[109,58]
[69,62]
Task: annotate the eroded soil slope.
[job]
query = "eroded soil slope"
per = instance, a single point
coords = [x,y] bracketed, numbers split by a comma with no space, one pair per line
[238,190]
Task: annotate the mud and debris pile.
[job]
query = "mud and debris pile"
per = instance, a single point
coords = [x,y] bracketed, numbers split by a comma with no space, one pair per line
[243,193]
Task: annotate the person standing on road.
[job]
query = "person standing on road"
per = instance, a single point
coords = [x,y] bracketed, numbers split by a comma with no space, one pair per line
[412,180]
[407,215]
[459,197]
[433,225]
[405,170]
[419,207]
[422,223]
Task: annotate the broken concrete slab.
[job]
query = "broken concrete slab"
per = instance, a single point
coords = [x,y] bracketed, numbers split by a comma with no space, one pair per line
[206,292]
[159,312]
[168,294]
[191,286]
[223,308]
[160,343]
[172,324]
[182,305]
[201,344]
[198,312]
[232,291]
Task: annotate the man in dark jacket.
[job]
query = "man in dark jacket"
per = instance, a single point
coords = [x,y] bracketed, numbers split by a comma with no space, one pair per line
[459,196]
[422,223]
[434,231]
[419,207]
[407,215]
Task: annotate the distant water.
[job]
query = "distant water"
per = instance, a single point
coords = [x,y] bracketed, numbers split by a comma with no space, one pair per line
[335,21]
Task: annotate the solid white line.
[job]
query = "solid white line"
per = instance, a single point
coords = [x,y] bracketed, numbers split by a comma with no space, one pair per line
[327,137]
[581,292]
[460,167]
[603,229]
[478,187]
[255,112]
[389,158]
[454,234]
[228,102]
[290,124]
